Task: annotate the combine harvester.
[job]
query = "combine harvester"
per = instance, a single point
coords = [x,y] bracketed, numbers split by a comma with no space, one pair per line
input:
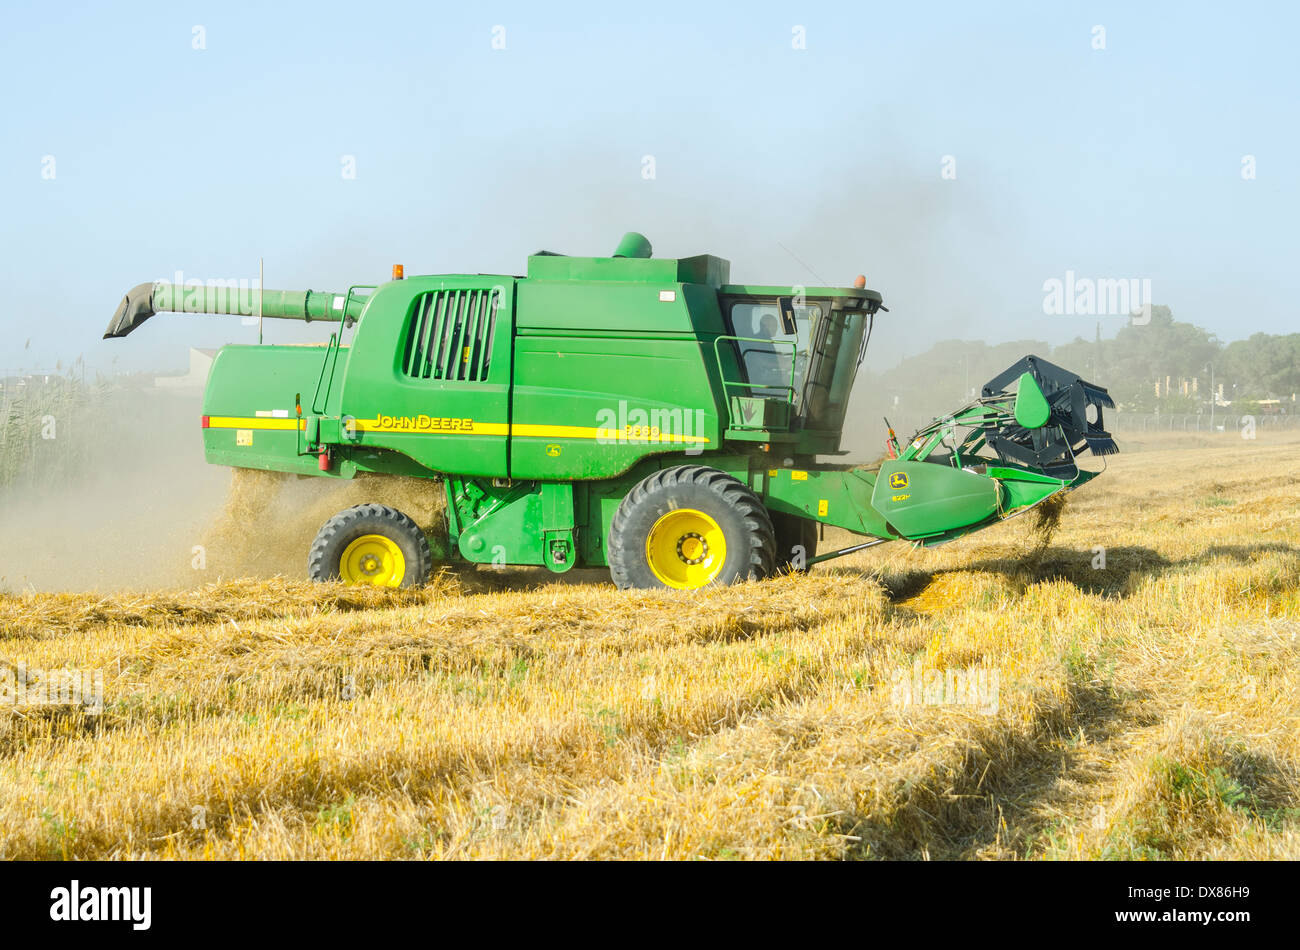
[637,413]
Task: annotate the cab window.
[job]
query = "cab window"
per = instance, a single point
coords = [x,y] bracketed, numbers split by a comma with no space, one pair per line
[764,348]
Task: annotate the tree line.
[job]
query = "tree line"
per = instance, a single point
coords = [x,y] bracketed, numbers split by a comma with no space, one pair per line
[1164,365]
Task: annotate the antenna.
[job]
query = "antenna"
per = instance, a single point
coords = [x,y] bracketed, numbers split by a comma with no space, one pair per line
[261,284]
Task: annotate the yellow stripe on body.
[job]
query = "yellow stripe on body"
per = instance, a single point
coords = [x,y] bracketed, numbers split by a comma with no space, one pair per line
[602,434]
[247,422]
[473,428]
[523,430]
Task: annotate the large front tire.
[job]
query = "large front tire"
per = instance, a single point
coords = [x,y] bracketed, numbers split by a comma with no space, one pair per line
[688,527]
[370,544]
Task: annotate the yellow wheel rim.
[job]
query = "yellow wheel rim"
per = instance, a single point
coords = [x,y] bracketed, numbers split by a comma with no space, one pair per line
[686,549]
[373,559]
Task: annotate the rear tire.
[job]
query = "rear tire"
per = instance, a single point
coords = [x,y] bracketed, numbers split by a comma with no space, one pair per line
[793,534]
[690,527]
[370,544]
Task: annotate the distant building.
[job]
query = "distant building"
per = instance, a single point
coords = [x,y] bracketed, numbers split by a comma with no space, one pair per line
[197,377]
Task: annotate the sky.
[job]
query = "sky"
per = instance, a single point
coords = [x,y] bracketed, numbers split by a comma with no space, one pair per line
[958,155]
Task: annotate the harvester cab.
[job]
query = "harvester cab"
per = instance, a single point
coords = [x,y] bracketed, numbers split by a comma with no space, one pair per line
[630,412]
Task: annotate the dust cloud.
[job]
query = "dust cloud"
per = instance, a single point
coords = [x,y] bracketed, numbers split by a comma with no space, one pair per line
[117,498]
[123,499]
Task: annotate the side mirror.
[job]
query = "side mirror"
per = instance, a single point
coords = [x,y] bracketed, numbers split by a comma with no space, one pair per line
[788,325]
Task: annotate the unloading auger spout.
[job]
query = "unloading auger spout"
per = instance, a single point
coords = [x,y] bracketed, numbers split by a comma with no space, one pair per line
[144,300]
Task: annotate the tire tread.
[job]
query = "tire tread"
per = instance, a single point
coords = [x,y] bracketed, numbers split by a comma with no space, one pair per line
[734,493]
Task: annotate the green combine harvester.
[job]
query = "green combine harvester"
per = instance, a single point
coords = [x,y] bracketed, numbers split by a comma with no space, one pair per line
[627,412]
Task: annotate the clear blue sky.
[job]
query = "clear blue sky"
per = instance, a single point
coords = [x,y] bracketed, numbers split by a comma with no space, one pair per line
[1123,162]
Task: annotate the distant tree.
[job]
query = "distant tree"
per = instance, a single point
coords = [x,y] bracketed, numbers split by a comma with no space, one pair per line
[1263,366]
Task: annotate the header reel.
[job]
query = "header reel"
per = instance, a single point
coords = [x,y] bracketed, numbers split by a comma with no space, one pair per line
[1034,415]
[1051,421]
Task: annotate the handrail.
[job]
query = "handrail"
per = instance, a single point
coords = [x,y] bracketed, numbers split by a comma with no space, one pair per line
[727,383]
[332,351]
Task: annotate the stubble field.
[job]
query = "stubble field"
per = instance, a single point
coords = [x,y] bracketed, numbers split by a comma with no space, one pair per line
[1127,690]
